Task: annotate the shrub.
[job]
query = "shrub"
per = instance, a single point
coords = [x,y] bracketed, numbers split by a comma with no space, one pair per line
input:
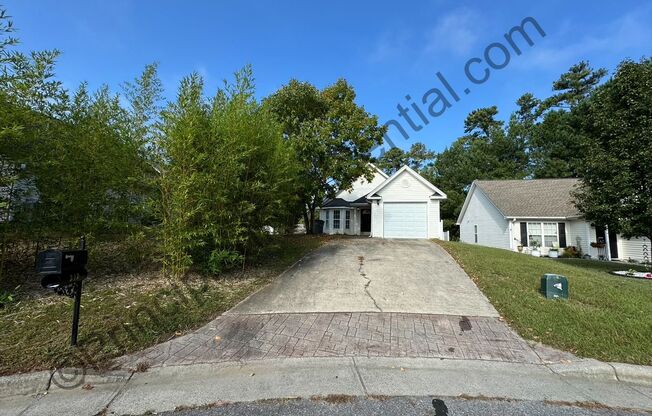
[571,252]
[221,260]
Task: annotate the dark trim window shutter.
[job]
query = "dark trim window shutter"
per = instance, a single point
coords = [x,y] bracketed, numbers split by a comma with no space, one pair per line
[562,234]
[524,241]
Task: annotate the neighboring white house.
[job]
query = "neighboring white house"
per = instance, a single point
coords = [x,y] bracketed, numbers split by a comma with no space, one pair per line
[404,205]
[509,213]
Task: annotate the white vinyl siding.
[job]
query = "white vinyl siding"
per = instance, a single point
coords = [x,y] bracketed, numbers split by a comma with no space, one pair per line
[405,220]
[435,226]
[633,249]
[376,219]
[405,187]
[493,228]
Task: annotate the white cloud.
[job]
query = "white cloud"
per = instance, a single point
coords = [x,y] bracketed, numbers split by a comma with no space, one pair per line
[626,33]
[390,46]
[456,32]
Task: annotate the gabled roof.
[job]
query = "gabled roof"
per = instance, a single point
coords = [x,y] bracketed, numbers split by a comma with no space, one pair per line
[437,193]
[528,198]
[383,174]
[347,197]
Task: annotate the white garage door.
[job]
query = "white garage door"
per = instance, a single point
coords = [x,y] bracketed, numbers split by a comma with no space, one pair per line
[405,220]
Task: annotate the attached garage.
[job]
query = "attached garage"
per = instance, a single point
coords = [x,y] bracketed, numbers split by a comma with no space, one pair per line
[406,206]
[405,220]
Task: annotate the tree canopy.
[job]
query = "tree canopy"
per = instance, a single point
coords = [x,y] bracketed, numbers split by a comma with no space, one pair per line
[331,135]
[617,168]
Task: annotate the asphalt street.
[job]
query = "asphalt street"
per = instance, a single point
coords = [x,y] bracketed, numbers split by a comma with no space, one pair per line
[403,406]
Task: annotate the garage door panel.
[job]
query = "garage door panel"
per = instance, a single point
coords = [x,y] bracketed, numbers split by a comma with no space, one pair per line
[405,220]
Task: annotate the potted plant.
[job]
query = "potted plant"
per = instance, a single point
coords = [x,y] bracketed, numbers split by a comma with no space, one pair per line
[553,253]
[520,248]
[535,248]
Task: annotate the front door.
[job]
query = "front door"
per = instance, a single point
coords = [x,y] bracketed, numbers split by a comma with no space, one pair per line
[365,221]
[613,245]
[600,233]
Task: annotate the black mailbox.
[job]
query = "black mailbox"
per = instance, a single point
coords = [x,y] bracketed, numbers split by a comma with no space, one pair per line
[61,267]
[64,272]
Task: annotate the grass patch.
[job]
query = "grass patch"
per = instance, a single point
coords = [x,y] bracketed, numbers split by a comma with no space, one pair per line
[606,317]
[128,312]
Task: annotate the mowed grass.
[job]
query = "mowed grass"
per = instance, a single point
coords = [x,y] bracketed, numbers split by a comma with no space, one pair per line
[126,313]
[606,317]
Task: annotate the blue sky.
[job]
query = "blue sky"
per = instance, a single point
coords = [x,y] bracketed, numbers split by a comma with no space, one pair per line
[385,49]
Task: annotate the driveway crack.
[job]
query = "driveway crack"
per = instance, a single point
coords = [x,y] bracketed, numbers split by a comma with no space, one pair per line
[368,282]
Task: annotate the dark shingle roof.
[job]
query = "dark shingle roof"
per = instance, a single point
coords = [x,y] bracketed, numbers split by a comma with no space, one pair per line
[337,202]
[533,197]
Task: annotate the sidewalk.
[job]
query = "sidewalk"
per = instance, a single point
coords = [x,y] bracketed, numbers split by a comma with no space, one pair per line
[168,388]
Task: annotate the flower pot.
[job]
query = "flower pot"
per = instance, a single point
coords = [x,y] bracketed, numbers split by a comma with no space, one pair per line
[553,254]
[520,248]
[536,252]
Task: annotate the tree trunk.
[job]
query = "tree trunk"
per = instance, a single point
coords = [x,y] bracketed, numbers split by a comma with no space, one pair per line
[312,219]
[306,221]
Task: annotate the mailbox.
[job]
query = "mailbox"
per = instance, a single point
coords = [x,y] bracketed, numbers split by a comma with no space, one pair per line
[61,267]
[554,286]
[64,271]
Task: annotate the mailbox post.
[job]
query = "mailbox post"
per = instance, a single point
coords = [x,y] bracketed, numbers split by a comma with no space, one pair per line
[78,291]
[64,271]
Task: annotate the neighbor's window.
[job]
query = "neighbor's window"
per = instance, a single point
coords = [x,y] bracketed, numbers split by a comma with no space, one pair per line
[545,233]
[534,233]
[550,234]
[475,231]
[328,214]
[347,219]
[336,219]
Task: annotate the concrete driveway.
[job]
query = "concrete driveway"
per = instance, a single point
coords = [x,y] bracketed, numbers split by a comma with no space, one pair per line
[372,275]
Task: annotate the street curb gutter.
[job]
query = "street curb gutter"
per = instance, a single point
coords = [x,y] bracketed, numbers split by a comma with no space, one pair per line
[25,384]
[43,381]
[630,373]
[598,370]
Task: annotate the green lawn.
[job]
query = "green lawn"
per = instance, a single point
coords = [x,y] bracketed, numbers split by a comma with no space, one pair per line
[126,313]
[606,317]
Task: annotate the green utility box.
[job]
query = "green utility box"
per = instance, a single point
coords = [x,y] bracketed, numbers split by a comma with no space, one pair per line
[554,286]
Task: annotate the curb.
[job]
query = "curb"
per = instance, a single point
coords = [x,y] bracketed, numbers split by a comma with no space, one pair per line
[630,373]
[25,384]
[593,369]
[74,378]
[69,378]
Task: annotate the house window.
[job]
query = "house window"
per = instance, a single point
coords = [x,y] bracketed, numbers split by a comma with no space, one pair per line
[347,219]
[546,234]
[475,231]
[336,219]
[534,233]
[550,234]
[326,223]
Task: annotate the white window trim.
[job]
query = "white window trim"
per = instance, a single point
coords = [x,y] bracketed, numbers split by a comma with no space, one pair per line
[338,219]
[327,221]
[347,219]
